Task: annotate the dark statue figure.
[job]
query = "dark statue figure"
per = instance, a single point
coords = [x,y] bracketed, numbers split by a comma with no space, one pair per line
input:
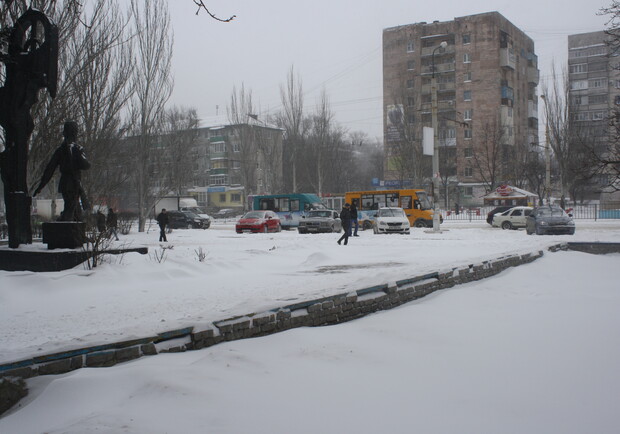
[31,64]
[70,159]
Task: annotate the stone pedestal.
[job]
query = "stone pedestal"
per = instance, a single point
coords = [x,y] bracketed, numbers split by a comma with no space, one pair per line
[64,235]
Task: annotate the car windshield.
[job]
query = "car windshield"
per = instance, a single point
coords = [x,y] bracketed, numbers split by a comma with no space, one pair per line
[319,214]
[191,214]
[391,212]
[254,215]
[315,205]
[552,212]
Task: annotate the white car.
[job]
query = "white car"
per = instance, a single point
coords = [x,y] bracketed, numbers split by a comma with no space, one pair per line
[513,218]
[391,220]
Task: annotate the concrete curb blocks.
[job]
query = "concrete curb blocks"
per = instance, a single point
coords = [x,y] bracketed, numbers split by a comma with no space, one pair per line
[325,311]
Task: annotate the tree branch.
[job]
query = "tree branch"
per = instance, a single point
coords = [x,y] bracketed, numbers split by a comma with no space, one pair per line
[201,5]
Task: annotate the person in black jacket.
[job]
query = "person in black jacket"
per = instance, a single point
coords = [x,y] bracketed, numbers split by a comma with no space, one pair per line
[354,222]
[162,221]
[112,223]
[345,218]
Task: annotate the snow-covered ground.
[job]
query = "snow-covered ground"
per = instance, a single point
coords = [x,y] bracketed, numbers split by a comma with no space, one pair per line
[136,295]
[534,349]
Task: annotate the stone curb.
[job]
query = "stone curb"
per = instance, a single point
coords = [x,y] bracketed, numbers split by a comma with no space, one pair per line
[323,311]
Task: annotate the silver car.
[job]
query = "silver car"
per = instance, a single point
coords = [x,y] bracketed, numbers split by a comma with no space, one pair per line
[320,220]
[513,218]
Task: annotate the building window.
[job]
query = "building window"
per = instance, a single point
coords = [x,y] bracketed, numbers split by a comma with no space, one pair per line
[410,65]
[468,152]
[467,114]
[598,116]
[219,180]
[466,58]
[468,191]
[467,76]
[218,147]
[467,133]
[411,118]
[467,95]
[235,197]
[410,47]
[236,147]
[236,164]
[469,172]
[410,101]
[596,99]
[511,112]
[466,39]
[597,83]
[579,68]
[579,84]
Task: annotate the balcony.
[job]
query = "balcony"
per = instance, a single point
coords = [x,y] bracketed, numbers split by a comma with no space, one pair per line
[441,87]
[532,109]
[220,171]
[428,51]
[507,58]
[439,68]
[533,75]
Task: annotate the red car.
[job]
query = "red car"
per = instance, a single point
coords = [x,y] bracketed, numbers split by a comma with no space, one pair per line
[259,221]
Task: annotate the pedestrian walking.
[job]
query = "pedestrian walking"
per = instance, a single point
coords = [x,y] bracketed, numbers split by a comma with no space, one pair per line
[112,223]
[162,221]
[100,219]
[354,223]
[345,218]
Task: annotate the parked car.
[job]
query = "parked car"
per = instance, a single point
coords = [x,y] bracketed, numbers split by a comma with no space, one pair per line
[549,219]
[497,210]
[391,220]
[204,222]
[179,220]
[320,220]
[259,221]
[226,213]
[366,219]
[513,218]
[206,218]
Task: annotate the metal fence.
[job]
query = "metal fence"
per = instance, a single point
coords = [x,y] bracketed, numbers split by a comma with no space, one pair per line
[583,212]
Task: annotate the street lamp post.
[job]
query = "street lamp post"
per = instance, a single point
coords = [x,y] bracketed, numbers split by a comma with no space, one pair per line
[435,174]
[547,153]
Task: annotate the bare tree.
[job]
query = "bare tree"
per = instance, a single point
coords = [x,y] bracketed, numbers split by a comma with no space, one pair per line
[152,83]
[488,154]
[320,141]
[239,112]
[178,135]
[292,120]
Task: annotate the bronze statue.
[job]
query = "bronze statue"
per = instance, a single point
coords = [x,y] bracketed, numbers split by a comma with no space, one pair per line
[71,160]
[31,64]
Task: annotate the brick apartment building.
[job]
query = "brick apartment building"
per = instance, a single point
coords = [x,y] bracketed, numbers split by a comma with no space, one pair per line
[487,102]
[594,83]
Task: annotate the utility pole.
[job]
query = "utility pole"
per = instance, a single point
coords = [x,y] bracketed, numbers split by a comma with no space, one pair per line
[436,221]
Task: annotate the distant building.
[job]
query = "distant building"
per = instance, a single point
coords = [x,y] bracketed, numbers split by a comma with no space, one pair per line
[594,83]
[486,85]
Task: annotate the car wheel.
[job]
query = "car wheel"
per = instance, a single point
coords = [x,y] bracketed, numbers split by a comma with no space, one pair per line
[420,224]
[506,225]
[367,225]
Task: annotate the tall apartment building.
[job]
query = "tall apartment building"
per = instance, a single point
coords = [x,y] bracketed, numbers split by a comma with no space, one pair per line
[487,103]
[594,83]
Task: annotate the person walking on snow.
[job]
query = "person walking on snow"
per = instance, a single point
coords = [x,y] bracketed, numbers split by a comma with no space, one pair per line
[112,223]
[162,221]
[345,218]
[354,223]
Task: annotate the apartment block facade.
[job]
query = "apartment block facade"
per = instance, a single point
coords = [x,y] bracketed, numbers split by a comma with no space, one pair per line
[487,109]
[594,83]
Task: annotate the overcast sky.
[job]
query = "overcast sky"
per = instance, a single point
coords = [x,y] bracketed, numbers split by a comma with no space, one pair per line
[334,44]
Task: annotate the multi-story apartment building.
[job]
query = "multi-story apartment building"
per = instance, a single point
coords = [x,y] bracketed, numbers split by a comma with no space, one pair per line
[233,156]
[594,83]
[487,110]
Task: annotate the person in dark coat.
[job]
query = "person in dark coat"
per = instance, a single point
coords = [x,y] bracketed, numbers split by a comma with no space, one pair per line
[162,221]
[345,218]
[112,223]
[100,219]
[354,222]
[71,160]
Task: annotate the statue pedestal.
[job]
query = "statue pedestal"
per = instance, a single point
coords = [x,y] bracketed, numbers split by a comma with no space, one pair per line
[64,235]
